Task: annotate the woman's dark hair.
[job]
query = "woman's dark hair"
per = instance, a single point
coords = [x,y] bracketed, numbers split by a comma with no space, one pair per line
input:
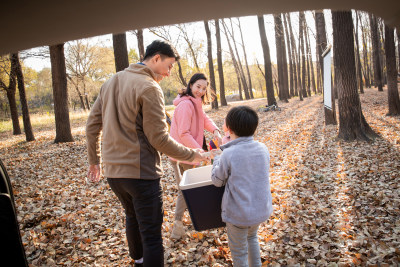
[162,48]
[188,91]
[242,120]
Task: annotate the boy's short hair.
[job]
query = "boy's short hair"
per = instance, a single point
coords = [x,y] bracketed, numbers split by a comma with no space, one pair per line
[163,48]
[242,120]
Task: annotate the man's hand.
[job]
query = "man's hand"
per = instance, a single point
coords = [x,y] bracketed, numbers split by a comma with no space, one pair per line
[94,173]
[200,156]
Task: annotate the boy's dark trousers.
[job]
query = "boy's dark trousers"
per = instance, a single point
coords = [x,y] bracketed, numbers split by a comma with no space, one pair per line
[142,201]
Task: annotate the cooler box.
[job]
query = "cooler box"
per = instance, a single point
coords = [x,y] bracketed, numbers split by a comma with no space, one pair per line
[203,199]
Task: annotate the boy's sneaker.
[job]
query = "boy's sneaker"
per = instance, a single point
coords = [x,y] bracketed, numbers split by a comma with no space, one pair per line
[177,230]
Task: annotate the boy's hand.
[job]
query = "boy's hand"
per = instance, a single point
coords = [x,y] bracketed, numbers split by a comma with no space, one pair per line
[217,136]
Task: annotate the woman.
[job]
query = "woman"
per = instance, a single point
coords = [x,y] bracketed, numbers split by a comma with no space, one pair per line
[188,124]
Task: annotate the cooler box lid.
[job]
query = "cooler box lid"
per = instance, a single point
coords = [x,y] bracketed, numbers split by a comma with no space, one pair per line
[196,177]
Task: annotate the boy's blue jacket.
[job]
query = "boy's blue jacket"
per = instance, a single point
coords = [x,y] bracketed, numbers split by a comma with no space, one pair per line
[243,168]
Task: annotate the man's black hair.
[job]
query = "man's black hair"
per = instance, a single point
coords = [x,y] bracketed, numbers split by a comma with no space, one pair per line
[163,48]
[242,120]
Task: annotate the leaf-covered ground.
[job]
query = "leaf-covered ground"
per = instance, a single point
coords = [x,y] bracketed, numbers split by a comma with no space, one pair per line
[336,203]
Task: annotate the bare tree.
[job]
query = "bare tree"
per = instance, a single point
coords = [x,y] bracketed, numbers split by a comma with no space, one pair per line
[352,124]
[267,62]
[366,72]
[22,96]
[375,52]
[292,68]
[8,68]
[140,40]
[190,43]
[359,74]
[280,52]
[60,94]
[296,66]
[303,56]
[393,93]
[220,66]
[311,65]
[321,40]
[245,60]
[214,103]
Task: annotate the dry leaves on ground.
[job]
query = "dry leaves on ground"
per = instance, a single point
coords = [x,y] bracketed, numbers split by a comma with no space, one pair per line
[336,203]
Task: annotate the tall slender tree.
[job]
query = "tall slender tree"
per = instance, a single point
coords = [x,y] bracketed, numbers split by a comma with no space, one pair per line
[22,96]
[140,40]
[214,103]
[375,52]
[220,66]
[290,53]
[359,74]
[393,93]
[309,55]
[245,60]
[365,54]
[280,58]
[303,53]
[321,39]
[60,94]
[296,67]
[120,51]
[352,124]
[267,62]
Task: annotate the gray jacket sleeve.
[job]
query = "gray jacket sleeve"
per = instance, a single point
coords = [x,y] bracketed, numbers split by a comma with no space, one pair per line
[220,171]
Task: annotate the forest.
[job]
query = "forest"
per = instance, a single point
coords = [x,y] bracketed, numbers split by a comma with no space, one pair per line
[334,171]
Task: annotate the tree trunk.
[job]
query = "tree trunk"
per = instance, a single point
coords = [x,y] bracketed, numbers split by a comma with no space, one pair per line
[183,80]
[359,74]
[60,94]
[140,41]
[13,111]
[307,61]
[321,41]
[393,93]
[375,52]
[214,103]
[296,67]
[22,96]
[220,66]
[311,76]
[120,51]
[352,125]
[303,53]
[245,60]
[290,52]
[398,47]
[281,64]
[267,62]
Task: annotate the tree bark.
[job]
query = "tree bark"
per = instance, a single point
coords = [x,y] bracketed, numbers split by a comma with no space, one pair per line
[359,74]
[365,54]
[245,60]
[375,52]
[140,41]
[120,51]
[267,62]
[220,66]
[303,52]
[60,94]
[183,80]
[22,96]
[393,93]
[321,40]
[352,125]
[214,103]
[311,65]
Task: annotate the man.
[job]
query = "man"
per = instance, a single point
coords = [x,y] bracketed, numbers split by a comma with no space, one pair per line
[130,113]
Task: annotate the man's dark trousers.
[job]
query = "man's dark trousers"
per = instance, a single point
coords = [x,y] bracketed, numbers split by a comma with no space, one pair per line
[142,201]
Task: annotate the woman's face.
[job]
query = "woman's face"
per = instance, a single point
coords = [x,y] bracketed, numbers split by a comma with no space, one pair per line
[199,88]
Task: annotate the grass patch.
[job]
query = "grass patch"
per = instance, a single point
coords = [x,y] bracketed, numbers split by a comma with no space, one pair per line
[45,120]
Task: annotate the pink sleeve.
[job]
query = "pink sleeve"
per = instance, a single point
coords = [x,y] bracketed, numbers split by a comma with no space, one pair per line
[183,115]
[209,125]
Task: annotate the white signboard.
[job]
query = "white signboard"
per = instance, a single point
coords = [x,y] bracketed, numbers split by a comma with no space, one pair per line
[328,80]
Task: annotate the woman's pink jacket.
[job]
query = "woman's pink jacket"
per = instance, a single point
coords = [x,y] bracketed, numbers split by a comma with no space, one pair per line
[189,122]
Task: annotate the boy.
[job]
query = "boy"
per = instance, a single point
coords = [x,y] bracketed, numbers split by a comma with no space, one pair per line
[243,168]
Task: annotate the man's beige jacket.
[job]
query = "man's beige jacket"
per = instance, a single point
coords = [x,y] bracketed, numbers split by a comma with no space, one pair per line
[130,113]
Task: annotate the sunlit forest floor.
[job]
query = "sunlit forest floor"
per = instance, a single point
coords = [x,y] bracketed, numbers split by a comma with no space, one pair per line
[335,203]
